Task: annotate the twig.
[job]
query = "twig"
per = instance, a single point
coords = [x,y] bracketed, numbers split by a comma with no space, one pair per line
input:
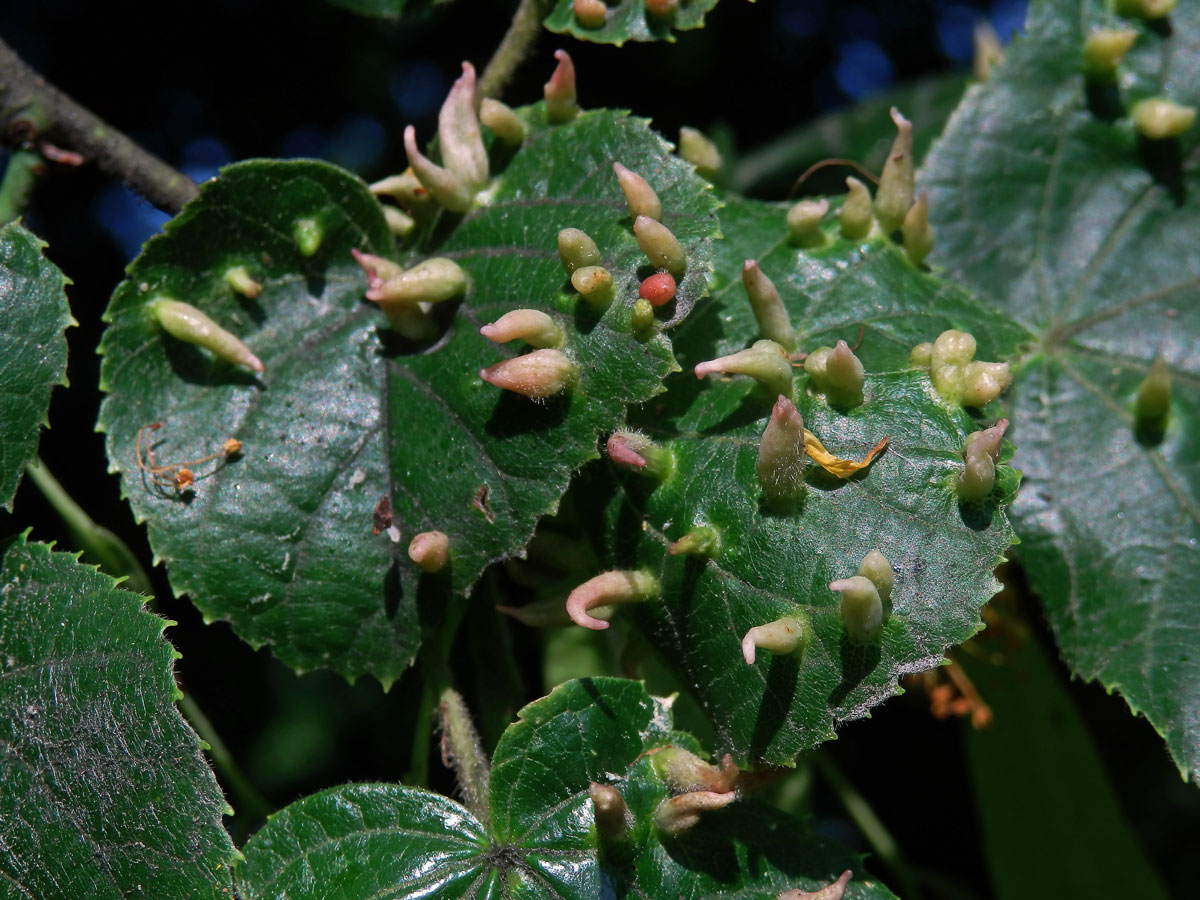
[32,109]
[522,33]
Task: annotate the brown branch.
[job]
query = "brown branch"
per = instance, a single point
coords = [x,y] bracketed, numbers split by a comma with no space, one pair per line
[32,110]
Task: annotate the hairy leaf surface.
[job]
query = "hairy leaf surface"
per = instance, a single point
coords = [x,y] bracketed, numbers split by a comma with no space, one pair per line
[1049,204]
[772,564]
[103,790]
[33,307]
[279,539]
[376,840]
[629,20]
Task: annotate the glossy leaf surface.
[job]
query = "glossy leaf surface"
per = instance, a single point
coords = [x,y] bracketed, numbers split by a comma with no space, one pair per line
[279,538]
[1049,204]
[371,840]
[773,563]
[629,20]
[33,307]
[103,790]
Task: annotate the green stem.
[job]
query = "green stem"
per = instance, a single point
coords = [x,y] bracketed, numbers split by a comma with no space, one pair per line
[522,33]
[464,751]
[20,178]
[871,826]
[248,801]
[31,109]
[100,545]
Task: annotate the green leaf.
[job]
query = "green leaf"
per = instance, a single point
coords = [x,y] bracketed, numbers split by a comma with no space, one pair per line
[1051,825]
[385,840]
[862,132]
[103,790]
[33,306]
[1086,235]
[629,20]
[279,539]
[772,564]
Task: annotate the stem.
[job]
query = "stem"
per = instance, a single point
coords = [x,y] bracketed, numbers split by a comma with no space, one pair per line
[20,178]
[522,33]
[31,108]
[249,801]
[871,826]
[462,749]
[102,546]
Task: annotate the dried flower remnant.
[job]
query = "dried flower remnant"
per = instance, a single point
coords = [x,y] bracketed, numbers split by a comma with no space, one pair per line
[606,589]
[835,890]
[430,550]
[677,815]
[660,245]
[804,223]
[862,607]
[789,634]
[855,217]
[178,475]
[765,361]
[896,184]
[561,103]
[188,324]
[781,456]
[981,450]
[640,198]
[503,121]
[530,325]
[381,518]
[700,151]
[540,374]
[576,250]
[658,289]
[769,311]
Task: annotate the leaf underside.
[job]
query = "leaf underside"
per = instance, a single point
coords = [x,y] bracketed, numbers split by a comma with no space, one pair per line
[103,790]
[772,564]
[33,307]
[629,20]
[376,840]
[279,539]
[1050,206]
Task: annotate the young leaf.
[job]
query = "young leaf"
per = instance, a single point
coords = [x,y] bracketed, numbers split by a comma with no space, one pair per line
[1048,203]
[542,840]
[103,790]
[774,563]
[629,20]
[279,539]
[33,306]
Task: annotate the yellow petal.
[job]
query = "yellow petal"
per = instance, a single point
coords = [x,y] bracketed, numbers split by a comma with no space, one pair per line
[842,468]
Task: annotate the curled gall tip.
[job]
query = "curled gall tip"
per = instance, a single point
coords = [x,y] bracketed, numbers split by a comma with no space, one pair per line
[787,635]
[1160,119]
[626,448]
[503,121]
[862,607]
[459,137]
[606,589]
[896,183]
[530,325]
[916,232]
[239,278]
[781,454]
[559,91]
[856,217]
[540,374]
[640,198]
[658,289]
[660,245]
[835,890]
[447,188]
[767,306]
[679,814]
[765,361]
[804,223]
[430,550]
[701,152]
[186,323]
[876,569]
[576,250]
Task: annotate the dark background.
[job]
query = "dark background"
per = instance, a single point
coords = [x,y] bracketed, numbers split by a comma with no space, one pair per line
[204,84]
